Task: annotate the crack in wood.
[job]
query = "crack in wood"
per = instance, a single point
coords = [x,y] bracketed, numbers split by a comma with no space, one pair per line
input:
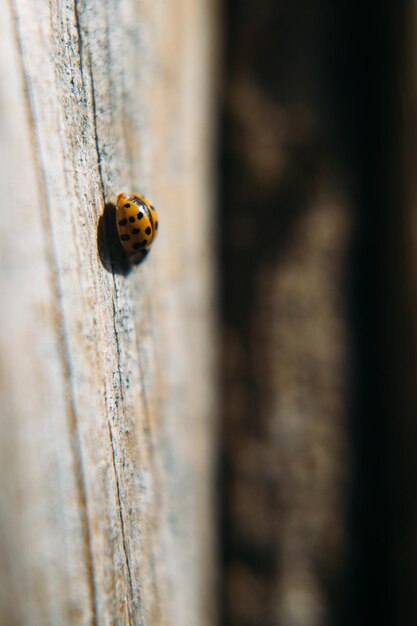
[122,522]
[96,143]
[130,601]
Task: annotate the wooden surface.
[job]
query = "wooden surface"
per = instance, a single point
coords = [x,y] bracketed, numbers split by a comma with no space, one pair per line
[108,404]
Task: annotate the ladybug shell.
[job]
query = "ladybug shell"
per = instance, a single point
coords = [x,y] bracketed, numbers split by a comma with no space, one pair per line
[137,223]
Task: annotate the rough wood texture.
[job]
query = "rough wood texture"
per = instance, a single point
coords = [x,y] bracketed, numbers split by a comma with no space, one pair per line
[106,376]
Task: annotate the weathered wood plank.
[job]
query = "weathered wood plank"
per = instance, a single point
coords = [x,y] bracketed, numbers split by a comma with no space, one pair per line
[107,384]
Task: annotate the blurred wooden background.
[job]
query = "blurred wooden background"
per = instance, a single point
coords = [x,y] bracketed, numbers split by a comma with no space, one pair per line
[319,300]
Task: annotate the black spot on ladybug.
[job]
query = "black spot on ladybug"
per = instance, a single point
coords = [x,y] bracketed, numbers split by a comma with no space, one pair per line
[156,225]
[148,230]
[126,206]
[125,237]
[137,246]
[140,215]
[135,231]
[131,219]
[123,222]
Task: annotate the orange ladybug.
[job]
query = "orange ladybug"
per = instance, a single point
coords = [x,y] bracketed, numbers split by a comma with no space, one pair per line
[137,224]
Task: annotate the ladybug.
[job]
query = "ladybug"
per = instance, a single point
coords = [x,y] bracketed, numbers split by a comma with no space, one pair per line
[137,224]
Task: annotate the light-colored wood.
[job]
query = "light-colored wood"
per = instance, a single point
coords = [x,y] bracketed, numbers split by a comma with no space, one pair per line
[106,379]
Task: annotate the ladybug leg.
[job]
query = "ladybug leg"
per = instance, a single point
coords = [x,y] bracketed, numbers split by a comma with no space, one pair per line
[139,257]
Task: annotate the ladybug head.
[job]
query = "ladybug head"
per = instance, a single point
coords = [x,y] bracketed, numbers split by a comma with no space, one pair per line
[122,198]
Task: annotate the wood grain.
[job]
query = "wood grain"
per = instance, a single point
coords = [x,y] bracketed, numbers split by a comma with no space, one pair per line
[106,376]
